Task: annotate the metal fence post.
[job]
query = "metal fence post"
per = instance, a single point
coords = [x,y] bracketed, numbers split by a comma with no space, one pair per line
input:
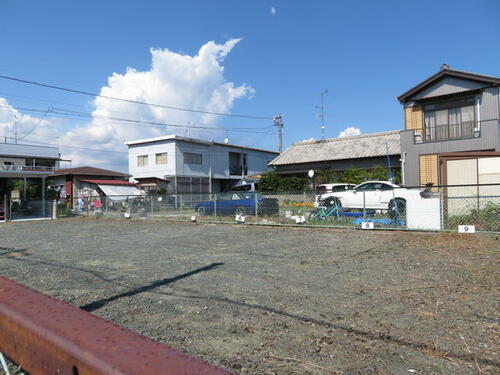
[364,205]
[214,198]
[6,207]
[256,207]
[303,211]
[441,206]
[152,203]
[180,204]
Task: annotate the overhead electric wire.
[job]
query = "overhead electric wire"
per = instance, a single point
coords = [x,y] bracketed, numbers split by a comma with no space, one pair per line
[132,101]
[66,146]
[24,98]
[65,112]
[36,126]
[193,149]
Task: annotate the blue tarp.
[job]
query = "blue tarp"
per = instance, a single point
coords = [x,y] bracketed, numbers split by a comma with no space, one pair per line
[384,221]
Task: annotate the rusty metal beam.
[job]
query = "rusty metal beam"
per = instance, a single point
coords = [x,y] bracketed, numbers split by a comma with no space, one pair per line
[47,336]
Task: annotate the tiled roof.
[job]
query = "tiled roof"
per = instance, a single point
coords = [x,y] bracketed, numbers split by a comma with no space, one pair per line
[89,171]
[358,146]
[109,182]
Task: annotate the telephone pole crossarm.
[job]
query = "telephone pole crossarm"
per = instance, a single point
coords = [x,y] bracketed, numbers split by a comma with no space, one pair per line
[278,121]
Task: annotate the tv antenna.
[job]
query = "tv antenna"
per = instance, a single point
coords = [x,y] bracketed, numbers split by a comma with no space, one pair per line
[322,114]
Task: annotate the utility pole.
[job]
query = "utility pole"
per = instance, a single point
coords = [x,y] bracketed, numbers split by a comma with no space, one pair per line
[278,121]
[15,129]
[322,115]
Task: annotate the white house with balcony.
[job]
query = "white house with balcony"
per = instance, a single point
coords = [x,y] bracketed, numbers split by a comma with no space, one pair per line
[188,165]
[32,164]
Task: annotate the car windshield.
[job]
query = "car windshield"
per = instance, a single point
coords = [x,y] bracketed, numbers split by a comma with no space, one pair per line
[374,186]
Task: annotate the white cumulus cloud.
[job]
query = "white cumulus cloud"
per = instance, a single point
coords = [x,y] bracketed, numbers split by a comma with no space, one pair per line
[13,122]
[350,131]
[273,11]
[174,80]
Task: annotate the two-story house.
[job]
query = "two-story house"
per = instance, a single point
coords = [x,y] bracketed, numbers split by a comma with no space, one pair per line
[30,164]
[189,165]
[451,134]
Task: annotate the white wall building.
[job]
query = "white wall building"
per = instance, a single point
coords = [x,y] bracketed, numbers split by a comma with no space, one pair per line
[27,162]
[31,164]
[194,165]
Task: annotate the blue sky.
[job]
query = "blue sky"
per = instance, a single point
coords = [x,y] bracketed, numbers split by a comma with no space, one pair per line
[365,52]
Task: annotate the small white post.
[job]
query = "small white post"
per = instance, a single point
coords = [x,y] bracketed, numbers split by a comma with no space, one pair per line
[54,209]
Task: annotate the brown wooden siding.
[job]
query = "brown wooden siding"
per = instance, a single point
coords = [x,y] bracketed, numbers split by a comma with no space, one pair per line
[428,169]
[414,118]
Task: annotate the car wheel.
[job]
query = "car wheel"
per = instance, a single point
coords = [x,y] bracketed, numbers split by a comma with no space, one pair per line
[330,202]
[240,211]
[397,208]
[201,211]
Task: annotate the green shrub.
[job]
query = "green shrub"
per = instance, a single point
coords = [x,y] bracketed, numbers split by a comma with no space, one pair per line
[274,182]
[486,218]
[64,210]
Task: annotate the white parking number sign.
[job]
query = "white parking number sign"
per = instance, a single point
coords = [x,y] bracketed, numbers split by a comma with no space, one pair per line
[366,225]
[466,229]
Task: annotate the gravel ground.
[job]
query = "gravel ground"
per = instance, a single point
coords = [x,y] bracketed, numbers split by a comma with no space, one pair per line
[264,300]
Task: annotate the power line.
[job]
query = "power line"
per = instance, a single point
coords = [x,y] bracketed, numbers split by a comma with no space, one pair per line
[130,100]
[66,146]
[24,98]
[64,112]
[39,122]
[195,148]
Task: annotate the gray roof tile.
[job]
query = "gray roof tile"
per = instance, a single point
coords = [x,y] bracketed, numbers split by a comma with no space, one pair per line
[358,146]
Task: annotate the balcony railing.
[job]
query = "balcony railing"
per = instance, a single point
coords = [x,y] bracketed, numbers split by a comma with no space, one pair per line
[235,170]
[26,168]
[450,132]
[238,171]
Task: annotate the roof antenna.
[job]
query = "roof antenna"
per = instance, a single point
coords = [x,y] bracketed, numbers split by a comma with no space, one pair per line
[322,114]
[445,66]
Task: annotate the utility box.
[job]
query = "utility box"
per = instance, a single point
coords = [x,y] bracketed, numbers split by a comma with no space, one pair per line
[423,213]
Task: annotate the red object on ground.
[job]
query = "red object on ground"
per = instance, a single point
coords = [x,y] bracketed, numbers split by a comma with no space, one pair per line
[48,336]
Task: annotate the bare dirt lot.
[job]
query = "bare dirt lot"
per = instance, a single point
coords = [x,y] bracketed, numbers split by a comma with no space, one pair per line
[263,300]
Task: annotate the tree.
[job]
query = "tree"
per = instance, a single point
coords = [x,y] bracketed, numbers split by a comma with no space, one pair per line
[271,181]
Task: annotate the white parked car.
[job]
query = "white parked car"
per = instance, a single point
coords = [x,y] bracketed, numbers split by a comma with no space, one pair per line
[323,189]
[376,195]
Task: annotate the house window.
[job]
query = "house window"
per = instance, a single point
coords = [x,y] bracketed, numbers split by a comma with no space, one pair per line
[238,164]
[161,158]
[142,160]
[192,158]
[452,120]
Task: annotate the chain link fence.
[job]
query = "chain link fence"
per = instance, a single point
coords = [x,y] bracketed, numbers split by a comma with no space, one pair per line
[25,209]
[441,208]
